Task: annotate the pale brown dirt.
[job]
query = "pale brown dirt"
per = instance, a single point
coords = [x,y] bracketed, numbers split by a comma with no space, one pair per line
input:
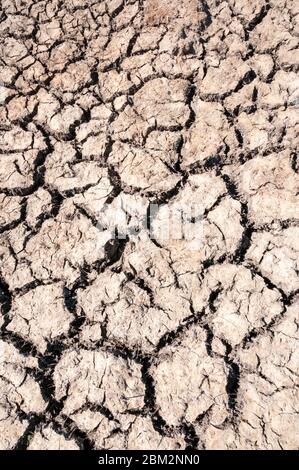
[139,343]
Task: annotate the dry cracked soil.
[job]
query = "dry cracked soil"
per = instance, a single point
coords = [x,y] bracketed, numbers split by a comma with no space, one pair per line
[140,341]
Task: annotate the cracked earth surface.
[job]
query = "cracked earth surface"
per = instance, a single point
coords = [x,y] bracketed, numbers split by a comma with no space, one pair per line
[140,344]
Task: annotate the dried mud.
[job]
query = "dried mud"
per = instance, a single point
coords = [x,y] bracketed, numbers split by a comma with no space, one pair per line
[141,344]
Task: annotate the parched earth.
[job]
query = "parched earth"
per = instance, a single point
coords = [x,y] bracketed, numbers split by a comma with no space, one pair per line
[139,341]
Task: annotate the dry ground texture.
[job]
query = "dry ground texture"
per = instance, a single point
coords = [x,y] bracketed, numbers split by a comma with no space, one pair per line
[140,342]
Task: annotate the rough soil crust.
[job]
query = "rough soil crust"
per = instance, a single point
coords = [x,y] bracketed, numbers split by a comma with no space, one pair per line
[136,343]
